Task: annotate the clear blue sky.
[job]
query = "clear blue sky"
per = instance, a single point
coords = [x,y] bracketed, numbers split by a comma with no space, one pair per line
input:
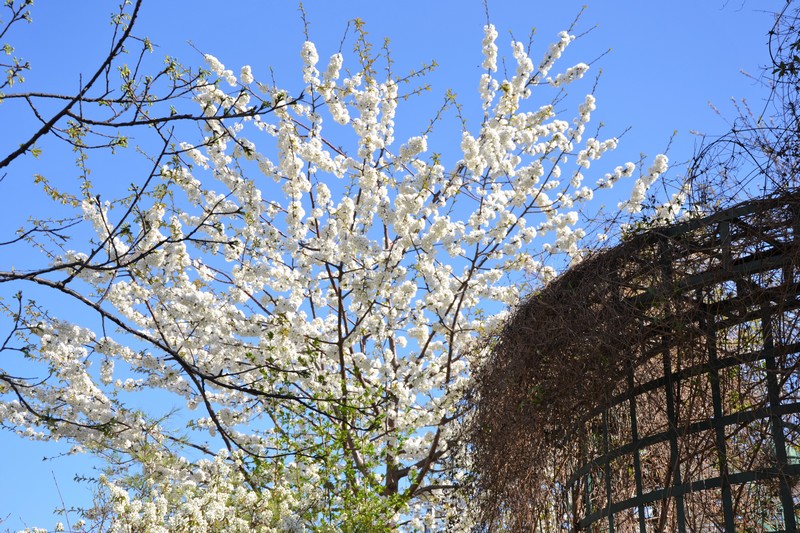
[669,60]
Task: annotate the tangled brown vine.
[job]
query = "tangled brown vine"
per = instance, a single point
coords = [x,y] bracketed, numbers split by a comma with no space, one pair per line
[652,387]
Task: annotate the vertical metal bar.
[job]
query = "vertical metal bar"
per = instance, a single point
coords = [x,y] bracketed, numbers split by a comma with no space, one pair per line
[607,465]
[773,395]
[719,429]
[672,414]
[724,230]
[674,456]
[637,464]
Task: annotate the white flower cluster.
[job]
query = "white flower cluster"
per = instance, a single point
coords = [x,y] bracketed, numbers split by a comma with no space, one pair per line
[206,497]
[571,74]
[333,95]
[310,60]
[219,69]
[246,75]
[669,211]
[639,192]
[554,53]
[489,48]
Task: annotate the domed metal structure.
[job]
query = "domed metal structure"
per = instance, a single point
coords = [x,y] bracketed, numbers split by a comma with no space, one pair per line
[654,387]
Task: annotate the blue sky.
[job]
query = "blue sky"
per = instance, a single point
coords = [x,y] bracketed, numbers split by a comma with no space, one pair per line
[669,60]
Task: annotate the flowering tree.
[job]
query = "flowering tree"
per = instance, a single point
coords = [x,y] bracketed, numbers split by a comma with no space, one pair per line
[308,298]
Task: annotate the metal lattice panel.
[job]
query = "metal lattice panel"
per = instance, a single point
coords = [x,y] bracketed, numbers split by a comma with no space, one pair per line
[703,434]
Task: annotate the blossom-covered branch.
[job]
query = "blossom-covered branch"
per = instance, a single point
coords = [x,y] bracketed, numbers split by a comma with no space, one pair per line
[306,289]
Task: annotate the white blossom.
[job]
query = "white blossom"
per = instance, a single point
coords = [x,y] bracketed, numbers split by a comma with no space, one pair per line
[246,75]
[489,48]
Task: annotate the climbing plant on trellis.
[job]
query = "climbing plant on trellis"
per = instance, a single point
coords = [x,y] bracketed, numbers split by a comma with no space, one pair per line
[654,387]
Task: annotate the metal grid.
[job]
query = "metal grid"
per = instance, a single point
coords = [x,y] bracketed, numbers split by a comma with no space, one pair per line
[703,433]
